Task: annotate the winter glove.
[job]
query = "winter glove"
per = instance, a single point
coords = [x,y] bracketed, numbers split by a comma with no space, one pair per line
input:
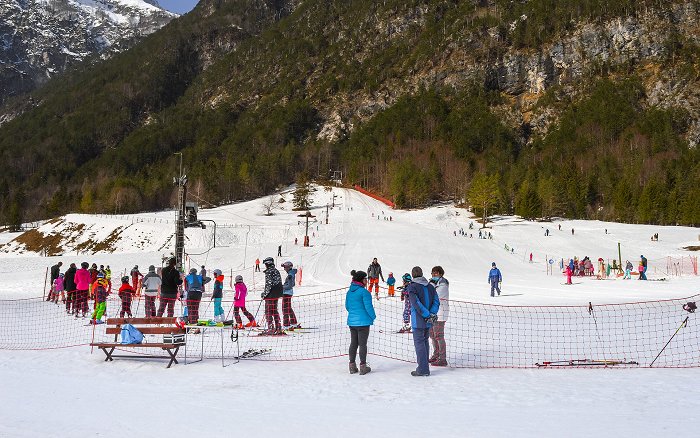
[263,295]
[432,319]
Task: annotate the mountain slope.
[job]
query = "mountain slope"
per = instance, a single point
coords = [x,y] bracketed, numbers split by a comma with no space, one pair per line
[584,109]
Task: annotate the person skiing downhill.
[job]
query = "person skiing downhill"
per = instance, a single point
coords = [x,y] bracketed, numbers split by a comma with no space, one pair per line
[271,295]
[374,272]
[289,317]
[495,279]
[239,304]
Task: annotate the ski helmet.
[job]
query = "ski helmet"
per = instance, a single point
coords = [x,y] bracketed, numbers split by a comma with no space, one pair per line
[407,277]
[193,271]
[493,264]
[100,275]
[287,264]
[125,279]
[217,272]
[239,279]
[269,261]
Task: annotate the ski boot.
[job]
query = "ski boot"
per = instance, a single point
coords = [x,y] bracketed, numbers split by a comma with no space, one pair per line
[405,329]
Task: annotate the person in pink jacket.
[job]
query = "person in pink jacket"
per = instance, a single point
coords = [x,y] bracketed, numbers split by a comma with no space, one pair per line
[239,304]
[82,286]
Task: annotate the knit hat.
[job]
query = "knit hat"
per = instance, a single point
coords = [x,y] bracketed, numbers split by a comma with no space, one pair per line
[358,275]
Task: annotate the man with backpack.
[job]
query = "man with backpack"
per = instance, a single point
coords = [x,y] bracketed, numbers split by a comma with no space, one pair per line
[194,284]
[170,278]
[425,305]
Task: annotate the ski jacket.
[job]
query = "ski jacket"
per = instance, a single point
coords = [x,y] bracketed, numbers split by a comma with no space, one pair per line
[195,282]
[442,287]
[55,270]
[218,287]
[390,281]
[126,291]
[108,274]
[644,262]
[629,266]
[424,302]
[358,303]
[273,283]
[82,279]
[58,284]
[375,271]
[289,282]
[170,277]
[239,297]
[99,289]
[151,282]
[93,275]
[69,280]
[495,276]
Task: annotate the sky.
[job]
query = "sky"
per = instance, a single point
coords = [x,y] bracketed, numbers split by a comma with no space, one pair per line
[178,6]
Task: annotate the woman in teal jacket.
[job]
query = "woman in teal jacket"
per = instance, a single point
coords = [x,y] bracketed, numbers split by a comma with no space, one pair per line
[358,303]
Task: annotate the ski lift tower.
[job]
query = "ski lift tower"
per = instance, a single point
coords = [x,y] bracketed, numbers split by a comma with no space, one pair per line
[307,215]
[181,183]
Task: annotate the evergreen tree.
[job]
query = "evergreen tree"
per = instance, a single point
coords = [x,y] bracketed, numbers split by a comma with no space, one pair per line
[302,193]
[483,195]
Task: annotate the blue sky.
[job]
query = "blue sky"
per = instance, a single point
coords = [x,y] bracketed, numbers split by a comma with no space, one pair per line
[178,6]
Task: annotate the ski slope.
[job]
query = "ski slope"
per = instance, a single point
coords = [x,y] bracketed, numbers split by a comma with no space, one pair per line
[317,398]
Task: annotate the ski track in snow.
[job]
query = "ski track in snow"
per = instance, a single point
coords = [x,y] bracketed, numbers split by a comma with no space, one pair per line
[44,391]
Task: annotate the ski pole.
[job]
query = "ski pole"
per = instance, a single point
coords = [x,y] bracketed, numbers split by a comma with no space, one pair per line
[683,324]
[138,304]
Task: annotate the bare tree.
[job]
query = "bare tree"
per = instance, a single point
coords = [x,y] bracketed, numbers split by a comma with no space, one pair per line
[270,204]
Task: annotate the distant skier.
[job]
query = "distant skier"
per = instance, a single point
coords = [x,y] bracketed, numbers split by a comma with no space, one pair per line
[495,279]
[572,231]
[569,273]
[135,275]
[279,251]
[530,257]
[257,265]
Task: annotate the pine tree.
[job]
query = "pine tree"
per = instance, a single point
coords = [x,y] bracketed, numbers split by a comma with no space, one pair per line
[302,200]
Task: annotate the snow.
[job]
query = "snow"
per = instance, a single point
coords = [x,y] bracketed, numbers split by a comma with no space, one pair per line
[314,398]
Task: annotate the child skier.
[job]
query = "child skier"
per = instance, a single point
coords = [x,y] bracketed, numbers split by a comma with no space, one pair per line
[628,271]
[391,281]
[218,295]
[239,304]
[57,289]
[126,293]
[194,284]
[406,304]
[569,272]
[99,291]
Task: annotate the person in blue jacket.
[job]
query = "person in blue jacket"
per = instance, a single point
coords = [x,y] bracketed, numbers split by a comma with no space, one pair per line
[358,303]
[194,283]
[495,279]
[425,304]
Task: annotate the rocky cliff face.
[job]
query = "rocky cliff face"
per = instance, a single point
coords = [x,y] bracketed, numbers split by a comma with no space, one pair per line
[39,39]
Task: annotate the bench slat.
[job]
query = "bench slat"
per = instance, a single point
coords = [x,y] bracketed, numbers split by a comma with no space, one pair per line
[134,321]
[150,330]
[109,345]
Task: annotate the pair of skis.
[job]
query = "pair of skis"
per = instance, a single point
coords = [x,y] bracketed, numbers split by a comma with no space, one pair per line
[253,352]
[585,363]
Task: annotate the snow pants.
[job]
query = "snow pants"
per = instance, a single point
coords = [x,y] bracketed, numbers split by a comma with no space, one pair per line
[420,341]
[70,300]
[100,309]
[247,314]
[406,310]
[193,300]
[643,274]
[169,303]
[126,305]
[288,316]
[150,305]
[81,305]
[391,291]
[218,310]
[358,340]
[272,313]
[494,286]
[628,275]
[437,335]
[375,282]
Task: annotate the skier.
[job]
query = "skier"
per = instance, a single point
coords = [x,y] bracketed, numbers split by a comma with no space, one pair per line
[108,276]
[151,283]
[361,315]
[279,251]
[406,278]
[271,295]
[203,273]
[437,332]
[628,270]
[55,270]
[82,285]
[569,273]
[257,265]
[425,305]
[135,275]
[374,272]
[572,231]
[495,279]
[239,304]
[57,289]
[391,281]
[193,285]
[289,318]
[126,293]
[530,257]
[69,286]
[99,292]
[218,295]
[642,268]
[170,277]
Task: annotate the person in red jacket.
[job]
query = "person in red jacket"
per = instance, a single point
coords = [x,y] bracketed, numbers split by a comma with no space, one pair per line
[126,293]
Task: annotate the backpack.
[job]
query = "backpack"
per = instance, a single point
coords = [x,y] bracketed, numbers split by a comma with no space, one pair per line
[131,335]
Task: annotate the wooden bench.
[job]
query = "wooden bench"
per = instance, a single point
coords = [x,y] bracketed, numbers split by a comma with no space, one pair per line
[147,326]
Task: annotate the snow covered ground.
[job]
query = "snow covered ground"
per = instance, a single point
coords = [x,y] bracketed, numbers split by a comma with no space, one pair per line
[314,398]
